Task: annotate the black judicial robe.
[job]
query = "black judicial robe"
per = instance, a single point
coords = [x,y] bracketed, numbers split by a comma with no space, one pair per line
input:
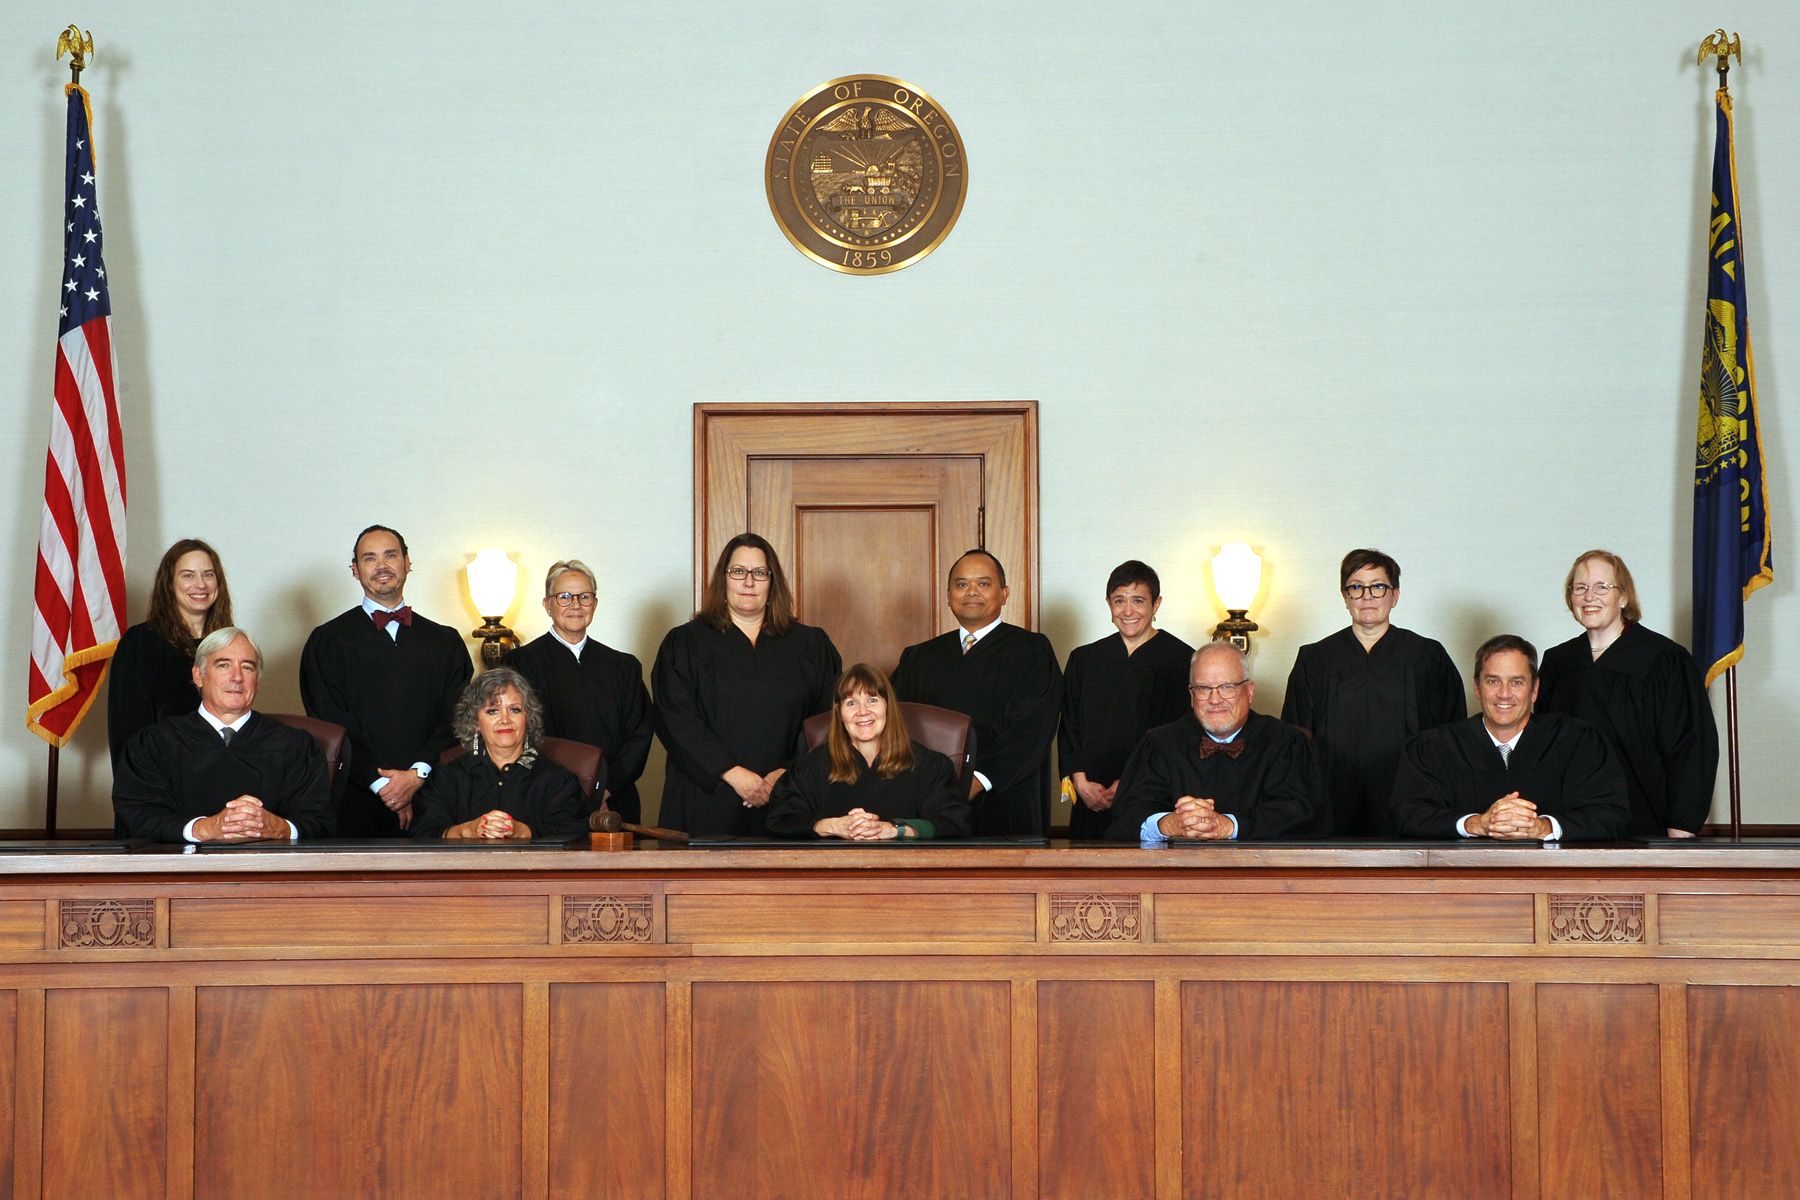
[1110,700]
[1011,688]
[1561,764]
[394,696]
[599,699]
[543,795]
[1647,696]
[149,680]
[930,791]
[1274,787]
[1362,708]
[181,768]
[722,702]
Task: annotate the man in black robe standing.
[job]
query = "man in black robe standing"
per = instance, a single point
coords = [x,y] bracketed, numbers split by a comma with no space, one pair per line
[391,678]
[222,773]
[1366,691]
[1006,680]
[1219,772]
[1509,773]
[591,693]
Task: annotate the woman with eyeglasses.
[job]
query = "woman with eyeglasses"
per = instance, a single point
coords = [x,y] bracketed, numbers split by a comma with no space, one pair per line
[590,692]
[732,688]
[1643,691]
[1366,691]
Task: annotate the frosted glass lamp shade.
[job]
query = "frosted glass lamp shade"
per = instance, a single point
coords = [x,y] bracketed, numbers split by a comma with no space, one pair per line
[1237,576]
[493,578]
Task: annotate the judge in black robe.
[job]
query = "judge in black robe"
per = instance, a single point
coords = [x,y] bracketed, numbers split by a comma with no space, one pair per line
[532,790]
[1273,787]
[148,680]
[930,797]
[392,687]
[598,698]
[1111,699]
[181,768]
[1007,683]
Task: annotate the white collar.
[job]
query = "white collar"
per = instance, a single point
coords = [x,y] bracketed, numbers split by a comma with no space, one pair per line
[220,726]
[574,648]
[1225,740]
[370,607]
[979,633]
[1511,743]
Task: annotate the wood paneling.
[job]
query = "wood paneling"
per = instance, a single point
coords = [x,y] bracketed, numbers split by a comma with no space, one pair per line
[1096,1090]
[1600,1089]
[361,921]
[606,1091]
[9,1084]
[1345,1089]
[1359,917]
[1692,920]
[893,917]
[1744,1089]
[21,925]
[824,1091]
[106,1058]
[376,1090]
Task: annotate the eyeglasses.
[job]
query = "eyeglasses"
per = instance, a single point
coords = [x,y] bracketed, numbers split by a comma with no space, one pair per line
[1602,590]
[1227,691]
[569,599]
[1356,591]
[760,574]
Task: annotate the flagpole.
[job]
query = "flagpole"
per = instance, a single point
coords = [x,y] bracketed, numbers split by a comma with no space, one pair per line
[1731,740]
[50,797]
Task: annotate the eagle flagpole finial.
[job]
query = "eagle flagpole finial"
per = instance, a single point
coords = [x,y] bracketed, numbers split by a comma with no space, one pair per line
[77,45]
[1724,48]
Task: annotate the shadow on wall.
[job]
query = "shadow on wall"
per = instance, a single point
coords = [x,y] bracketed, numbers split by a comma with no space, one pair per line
[1059,621]
[310,602]
[654,619]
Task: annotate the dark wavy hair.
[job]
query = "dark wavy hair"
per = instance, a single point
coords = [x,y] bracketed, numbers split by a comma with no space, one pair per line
[165,613]
[896,754]
[778,618]
[1133,571]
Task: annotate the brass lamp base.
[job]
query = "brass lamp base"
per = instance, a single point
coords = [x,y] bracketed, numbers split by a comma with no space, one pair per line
[1236,628]
[497,641]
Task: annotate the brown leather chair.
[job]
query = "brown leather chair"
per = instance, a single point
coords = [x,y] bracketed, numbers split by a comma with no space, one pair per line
[587,763]
[331,739]
[951,734]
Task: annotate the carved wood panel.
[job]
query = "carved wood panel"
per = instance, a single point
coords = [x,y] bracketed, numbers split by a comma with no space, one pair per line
[1596,918]
[1094,917]
[608,918]
[108,924]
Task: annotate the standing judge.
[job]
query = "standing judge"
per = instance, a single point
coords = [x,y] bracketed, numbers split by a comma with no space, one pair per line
[223,772]
[1643,691]
[1366,691]
[1221,771]
[590,692]
[391,678]
[733,687]
[869,781]
[151,677]
[1115,691]
[1005,679]
[1509,773]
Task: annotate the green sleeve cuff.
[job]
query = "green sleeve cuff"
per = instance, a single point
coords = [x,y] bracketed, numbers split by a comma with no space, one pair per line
[920,826]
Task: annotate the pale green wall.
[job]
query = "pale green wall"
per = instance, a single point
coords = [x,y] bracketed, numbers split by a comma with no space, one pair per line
[1309,274]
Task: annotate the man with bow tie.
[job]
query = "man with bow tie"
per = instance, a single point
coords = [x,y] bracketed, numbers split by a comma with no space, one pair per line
[391,678]
[1221,772]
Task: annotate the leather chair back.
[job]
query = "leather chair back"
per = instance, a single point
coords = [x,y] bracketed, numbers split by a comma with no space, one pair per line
[331,739]
[951,734]
[587,763]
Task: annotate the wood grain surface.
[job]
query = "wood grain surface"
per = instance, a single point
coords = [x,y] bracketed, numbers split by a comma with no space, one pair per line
[361,921]
[606,1091]
[105,1090]
[893,917]
[1744,1088]
[1599,1083]
[1357,917]
[1096,1090]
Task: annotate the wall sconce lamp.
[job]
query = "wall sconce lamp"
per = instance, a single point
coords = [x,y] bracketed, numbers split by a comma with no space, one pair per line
[493,579]
[1237,577]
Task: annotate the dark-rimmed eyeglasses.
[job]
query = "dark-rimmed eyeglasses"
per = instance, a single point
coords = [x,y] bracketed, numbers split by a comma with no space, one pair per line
[1227,691]
[568,599]
[1356,591]
[760,574]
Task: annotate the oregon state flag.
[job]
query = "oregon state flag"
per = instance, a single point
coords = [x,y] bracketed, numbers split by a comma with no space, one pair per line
[1731,495]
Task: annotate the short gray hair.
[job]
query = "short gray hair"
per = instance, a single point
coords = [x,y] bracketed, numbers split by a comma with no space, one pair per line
[480,692]
[564,565]
[218,639]
[1221,647]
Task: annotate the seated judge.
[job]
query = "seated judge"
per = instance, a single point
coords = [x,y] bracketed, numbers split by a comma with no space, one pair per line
[503,788]
[1510,773]
[1366,691]
[1115,691]
[869,781]
[1005,679]
[222,773]
[1220,771]
[151,676]
[1642,691]
[590,692]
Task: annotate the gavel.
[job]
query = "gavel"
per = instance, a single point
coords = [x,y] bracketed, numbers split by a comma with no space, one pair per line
[608,821]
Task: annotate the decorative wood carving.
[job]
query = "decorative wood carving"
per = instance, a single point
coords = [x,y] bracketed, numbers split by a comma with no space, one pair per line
[108,924]
[1095,918]
[1596,918]
[607,918]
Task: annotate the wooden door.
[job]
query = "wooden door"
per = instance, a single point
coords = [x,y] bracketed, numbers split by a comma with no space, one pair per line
[868,507]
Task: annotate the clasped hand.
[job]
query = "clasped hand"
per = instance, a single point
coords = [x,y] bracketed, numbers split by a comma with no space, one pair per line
[241,820]
[1097,797]
[1512,817]
[1196,817]
[492,826]
[753,789]
[857,825]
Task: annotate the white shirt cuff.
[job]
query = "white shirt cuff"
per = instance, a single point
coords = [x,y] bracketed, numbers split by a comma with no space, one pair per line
[987,785]
[1555,829]
[1462,826]
[187,831]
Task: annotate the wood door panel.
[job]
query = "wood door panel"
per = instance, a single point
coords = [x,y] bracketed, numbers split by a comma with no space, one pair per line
[21,925]
[106,1080]
[606,1091]
[9,1087]
[1345,1089]
[392,1090]
[1599,1090]
[1744,1091]
[1096,1090]
[864,1090]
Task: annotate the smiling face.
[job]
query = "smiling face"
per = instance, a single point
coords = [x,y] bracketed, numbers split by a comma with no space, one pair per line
[1133,611]
[975,595]
[1596,598]
[228,680]
[381,567]
[1220,714]
[571,619]
[1507,690]
[501,724]
[196,586]
[865,719]
[1370,611]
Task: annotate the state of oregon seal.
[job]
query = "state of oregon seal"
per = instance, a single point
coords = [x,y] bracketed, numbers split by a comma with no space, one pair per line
[865,174]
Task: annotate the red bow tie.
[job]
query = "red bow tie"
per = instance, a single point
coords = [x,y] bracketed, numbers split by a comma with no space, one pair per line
[403,614]
[1208,747]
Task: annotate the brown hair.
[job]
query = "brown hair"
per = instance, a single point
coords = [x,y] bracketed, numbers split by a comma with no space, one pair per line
[1500,644]
[896,754]
[1621,576]
[778,618]
[1356,560]
[165,614]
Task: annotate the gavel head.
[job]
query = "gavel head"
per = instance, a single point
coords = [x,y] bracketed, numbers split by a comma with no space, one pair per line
[606,821]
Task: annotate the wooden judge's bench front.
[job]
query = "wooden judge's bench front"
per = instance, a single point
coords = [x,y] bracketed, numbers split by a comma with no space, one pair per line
[831,1022]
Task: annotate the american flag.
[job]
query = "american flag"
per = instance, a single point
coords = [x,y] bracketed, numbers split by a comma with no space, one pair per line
[80,587]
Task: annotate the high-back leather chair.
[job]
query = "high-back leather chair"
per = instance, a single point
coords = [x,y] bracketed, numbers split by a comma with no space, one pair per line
[586,763]
[332,740]
[951,734]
